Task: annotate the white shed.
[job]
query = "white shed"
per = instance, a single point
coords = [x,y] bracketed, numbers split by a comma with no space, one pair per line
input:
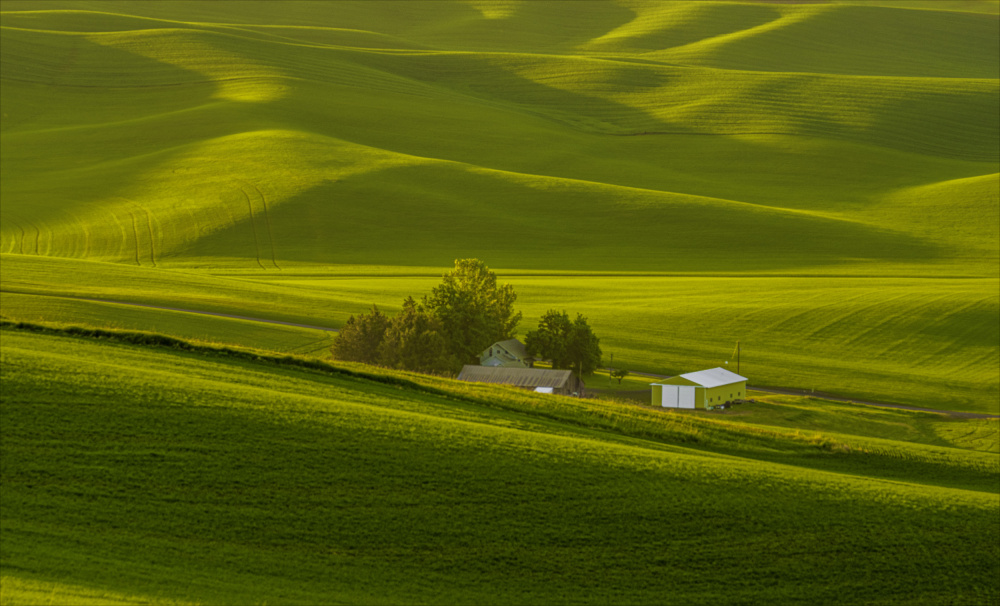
[702,389]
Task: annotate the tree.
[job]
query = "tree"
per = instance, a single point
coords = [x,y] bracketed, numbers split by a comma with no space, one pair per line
[584,349]
[551,340]
[474,311]
[360,338]
[619,374]
[567,344]
[414,341]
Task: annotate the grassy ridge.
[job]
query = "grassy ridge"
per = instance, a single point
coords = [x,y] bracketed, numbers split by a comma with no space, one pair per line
[332,488]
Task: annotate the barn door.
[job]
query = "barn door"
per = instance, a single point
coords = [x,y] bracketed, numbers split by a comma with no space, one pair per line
[670,396]
[685,396]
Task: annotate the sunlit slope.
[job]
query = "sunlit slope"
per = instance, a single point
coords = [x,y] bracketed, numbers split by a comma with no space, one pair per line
[158,139]
[828,38]
[249,481]
[909,339]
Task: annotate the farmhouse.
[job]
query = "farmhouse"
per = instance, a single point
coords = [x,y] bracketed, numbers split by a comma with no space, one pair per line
[536,379]
[701,389]
[510,353]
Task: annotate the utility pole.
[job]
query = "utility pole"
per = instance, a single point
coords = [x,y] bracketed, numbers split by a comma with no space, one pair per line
[611,368]
[737,352]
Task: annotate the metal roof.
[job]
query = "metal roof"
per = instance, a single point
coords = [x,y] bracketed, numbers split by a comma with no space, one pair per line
[515,347]
[713,377]
[520,377]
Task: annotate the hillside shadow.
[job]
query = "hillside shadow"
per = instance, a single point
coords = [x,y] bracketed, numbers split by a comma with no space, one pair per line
[424,214]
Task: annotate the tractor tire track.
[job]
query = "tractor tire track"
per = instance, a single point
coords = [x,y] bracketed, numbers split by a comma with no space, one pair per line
[124,233]
[149,229]
[267,222]
[253,226]
[135,235]
[86,233]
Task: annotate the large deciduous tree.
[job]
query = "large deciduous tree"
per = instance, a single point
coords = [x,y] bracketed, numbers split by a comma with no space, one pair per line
[568,344]
[474,311]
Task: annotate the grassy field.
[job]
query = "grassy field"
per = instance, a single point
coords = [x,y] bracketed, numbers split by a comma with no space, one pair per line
[643,163]
[900,338]
[207,478]
[820,181]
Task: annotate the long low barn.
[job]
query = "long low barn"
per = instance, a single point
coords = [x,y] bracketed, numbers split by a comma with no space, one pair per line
[700,389]
[536,379]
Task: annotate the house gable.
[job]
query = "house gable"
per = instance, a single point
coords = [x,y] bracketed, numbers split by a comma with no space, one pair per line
[510,353]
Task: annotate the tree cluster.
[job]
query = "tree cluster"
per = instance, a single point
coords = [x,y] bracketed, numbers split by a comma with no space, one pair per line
[460,318]
[463,315]
[568,344]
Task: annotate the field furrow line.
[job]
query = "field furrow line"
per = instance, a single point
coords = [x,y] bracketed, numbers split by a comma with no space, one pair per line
[267,222]
[884,318]
[135,235]
[253,227]
[149,231]
[787,324]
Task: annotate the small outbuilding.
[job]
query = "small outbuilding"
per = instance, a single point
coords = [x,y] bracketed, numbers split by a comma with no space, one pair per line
[542,380]
[510,353]
[702,389]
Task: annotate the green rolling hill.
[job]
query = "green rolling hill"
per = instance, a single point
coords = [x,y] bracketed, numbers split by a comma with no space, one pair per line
[162,475]
[819,180]
[821,142]
[373,137]
[827,142]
